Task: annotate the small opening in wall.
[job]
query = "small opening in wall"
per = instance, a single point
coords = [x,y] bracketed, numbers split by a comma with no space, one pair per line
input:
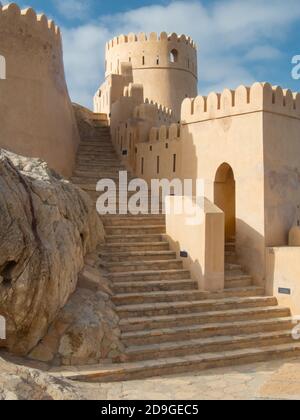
[142,166]
[158,164]
[135,150]
[143,60]
[174,163]
[167,145]
[157,60]
[174,56]
[150,148]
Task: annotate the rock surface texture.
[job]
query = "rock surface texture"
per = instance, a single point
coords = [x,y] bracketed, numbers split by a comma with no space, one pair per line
[20,383]
[47,226]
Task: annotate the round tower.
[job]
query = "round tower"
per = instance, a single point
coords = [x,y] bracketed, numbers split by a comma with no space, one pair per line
[37,114]
[166,65]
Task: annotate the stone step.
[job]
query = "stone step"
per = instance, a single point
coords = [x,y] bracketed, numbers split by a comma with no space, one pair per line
[154,286]
[98,161]
[104,155]
[137,256]
[101,152]
[96,166]
[192,363]
[230,247]
[132,220]
[154,275]
[206,330]
[184,307]
[240,280]
[92,180]
[140,246]
[206,345]
[133,239]
[99,174]
[233,267]
[216,316]
[131,230]
[193,294]
[130,266]
[231,257]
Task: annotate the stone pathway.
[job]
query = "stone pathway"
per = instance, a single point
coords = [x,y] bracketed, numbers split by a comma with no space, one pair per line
[270,380]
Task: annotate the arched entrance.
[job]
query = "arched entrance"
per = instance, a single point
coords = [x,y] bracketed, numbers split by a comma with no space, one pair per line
[224,196]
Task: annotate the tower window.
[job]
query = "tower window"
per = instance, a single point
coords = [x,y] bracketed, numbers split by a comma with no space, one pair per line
[142,166]
[174,163]
[143,60]
[157,164]
[157,60]
[174,56]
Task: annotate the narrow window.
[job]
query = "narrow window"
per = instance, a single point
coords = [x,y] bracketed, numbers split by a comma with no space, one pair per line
[157,60]
[157,165]
[143,60]
[174,163]
[142,166]
[174,56]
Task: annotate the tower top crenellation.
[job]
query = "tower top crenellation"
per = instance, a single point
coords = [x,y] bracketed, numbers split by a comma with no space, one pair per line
[152,37]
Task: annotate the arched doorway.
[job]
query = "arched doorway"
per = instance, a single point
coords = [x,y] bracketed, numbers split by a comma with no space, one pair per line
[224,196]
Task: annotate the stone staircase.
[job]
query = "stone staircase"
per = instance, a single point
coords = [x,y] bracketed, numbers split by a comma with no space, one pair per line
[168,325]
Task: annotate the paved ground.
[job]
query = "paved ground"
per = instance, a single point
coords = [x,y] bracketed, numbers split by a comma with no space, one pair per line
[272,380]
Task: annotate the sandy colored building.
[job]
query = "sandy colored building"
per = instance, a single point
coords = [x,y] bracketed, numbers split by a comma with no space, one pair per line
[160,292]
[244,144]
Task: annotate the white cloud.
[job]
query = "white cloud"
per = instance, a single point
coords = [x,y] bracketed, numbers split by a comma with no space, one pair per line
[229,34]
[83,57]
[73,9]
[262,53]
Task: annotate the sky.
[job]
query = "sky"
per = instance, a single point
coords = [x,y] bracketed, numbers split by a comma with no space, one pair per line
[239,41]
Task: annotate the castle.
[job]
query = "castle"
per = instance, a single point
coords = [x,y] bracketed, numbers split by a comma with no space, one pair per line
[243,143]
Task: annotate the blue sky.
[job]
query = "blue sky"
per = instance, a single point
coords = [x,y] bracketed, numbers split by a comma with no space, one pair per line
[239,41]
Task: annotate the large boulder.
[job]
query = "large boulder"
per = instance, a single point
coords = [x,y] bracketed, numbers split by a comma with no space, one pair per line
[22,383]
[86,331]
[47,226]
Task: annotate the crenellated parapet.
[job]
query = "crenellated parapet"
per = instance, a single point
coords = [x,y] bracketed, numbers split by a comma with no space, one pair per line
[12,18]
[152,111]
[243,100]
[165,133]
[152,37]
[39,119]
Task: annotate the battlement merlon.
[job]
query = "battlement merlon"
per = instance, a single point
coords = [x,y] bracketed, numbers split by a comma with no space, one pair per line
[35,24]
[152,37]
[165,133]
[243,100]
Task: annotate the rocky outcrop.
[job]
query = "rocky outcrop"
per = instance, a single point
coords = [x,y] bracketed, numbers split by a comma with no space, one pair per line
[47,226]
[21,383]
[86,331]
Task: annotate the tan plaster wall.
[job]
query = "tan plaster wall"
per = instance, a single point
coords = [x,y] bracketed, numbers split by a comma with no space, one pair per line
[282,175]
[283,271]
[36,113]
[237,141]
[203,241]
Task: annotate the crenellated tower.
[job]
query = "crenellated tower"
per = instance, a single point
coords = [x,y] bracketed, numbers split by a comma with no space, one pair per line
[166,66]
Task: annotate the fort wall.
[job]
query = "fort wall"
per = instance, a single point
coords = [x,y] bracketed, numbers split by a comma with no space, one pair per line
[37,118]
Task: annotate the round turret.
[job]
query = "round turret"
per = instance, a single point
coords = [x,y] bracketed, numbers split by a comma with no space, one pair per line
[166,65]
